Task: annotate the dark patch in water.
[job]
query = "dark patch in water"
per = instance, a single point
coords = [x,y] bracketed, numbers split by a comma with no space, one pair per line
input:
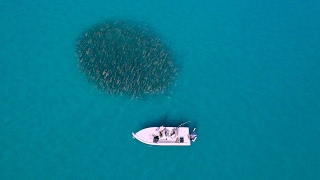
[121,57]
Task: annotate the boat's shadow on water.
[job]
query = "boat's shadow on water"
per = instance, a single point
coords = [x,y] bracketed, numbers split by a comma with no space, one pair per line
[168,122]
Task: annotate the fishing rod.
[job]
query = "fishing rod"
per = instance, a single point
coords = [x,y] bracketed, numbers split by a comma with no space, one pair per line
[183,123]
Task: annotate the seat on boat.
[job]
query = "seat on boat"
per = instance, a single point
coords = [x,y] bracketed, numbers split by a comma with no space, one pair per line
[156,139]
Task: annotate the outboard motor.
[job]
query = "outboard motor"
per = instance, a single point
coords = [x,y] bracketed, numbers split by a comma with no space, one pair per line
[193,135]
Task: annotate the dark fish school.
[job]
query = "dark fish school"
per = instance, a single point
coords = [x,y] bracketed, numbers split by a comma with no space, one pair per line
[121,57]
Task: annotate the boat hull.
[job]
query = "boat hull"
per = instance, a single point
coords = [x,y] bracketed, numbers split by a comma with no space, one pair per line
[180,138]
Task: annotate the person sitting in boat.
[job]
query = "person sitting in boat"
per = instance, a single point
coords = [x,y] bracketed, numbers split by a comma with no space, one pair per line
[173,133]
[166,132]
[161,129]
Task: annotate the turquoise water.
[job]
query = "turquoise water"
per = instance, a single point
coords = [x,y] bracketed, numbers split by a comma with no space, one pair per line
[249,82]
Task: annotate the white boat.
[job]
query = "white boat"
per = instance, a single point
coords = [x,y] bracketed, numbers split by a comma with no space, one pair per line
[166,136]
